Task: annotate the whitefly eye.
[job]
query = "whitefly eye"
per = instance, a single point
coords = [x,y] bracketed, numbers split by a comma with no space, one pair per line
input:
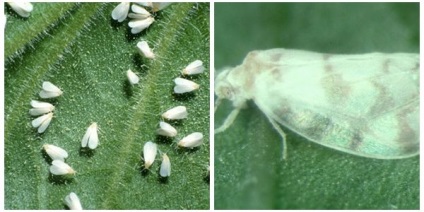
[225,91]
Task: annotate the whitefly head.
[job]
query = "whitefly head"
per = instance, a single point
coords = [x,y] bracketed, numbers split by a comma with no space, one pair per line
[226,87]
[222,86]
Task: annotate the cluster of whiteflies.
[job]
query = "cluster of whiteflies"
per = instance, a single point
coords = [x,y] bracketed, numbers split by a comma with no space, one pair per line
[44,109]
[181,85]
[58,155]
[165,129]
[141,19]
[184,85]
[59,167]
[191,141]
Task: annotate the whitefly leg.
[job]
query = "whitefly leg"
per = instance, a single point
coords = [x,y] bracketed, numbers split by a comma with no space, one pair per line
[228,121]
[283,136]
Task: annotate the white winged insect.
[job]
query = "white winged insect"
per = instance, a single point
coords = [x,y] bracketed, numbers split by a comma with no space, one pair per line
[91,138]
[196,67]
[145,50]
[184,85]
[365,104]
[166,129]
[23,8]
[139,12]
[55,152]
[42,122]
[132,77]
[192,140]
[150,150]
[73,202]
[121,11]
[138,25]
[165,167]
[176,113]
[59,167]
[50,91]
[40,108]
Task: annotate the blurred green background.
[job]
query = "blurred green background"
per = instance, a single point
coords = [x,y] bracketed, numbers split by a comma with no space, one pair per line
[78,47]
[248,170]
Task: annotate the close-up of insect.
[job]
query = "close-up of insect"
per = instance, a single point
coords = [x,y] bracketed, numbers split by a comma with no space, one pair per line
[313,109]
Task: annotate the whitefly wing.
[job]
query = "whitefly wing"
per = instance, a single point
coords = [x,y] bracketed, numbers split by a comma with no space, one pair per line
[366,104]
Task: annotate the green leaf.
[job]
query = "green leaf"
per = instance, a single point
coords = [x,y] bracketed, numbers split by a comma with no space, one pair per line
[78,47]
[248,171]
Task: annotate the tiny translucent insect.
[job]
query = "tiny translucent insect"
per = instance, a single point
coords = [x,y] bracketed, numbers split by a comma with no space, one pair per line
[59,167]
[23,9]
[184,85]
[145,50]
[73,202]
[121,11]
[138,25]
[176,113]
[165,167]
[40,108]
[192,140]
[193,68]
[150,150]
[91,139]
[132,77]
[50,91]
[366,105]
[139,12]
[55,152]
[166,129]
[42,122]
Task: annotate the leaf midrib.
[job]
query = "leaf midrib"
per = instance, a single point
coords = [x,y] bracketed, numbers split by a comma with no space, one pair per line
[141,104]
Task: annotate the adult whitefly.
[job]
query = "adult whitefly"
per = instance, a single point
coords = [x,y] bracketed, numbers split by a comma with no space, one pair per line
[55,152]
[132,77]
[73,202]
[165,166]
[149,153]
[50,91]
[196,67]
[42,122]
[145,50]
[23,8]
[138,25]
[139,12]
[121,11]
[166,129]
[91,138]
[184,85]
[40,108]
[192,140]
[59,167]
[176,113]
